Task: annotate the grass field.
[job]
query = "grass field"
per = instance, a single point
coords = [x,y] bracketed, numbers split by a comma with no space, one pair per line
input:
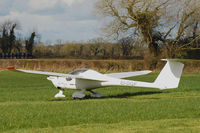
[27,105]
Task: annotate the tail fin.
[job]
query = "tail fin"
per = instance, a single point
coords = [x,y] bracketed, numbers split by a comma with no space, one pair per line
[170,75]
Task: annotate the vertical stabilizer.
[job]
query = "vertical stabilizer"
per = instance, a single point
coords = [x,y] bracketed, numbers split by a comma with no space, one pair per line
[170,75]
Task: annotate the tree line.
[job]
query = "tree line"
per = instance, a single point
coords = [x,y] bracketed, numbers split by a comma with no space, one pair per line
[93,49]
[125,48]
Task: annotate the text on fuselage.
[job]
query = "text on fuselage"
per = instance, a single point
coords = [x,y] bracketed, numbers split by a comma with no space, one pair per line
[128,83]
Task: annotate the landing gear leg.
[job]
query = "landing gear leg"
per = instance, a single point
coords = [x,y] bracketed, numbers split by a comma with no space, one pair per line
[79,95]
[96,94]
[60,93]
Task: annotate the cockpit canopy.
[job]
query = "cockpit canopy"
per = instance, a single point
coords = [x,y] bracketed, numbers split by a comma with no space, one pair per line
[78,71]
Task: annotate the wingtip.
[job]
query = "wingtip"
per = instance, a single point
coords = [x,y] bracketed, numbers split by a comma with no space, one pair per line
[148,70]
[174,60]
[10,67]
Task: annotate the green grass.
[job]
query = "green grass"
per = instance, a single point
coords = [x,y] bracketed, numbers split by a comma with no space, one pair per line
[27,105]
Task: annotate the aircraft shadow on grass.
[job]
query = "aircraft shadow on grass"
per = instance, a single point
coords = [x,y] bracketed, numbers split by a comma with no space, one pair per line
[128,94]
[123,95]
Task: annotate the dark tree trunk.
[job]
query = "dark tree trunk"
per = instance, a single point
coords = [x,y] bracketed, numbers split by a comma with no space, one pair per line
[154,49]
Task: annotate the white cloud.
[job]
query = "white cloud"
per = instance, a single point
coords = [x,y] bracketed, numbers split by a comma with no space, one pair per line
[70,2]
[4,7]
[71,20]
[41,4]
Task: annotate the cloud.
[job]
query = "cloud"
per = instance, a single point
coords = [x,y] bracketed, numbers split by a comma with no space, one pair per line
[54,19]
[5,7]
[70,2]
[36,5]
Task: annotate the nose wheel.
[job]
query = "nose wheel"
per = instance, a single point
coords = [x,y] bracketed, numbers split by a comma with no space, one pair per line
[60,94]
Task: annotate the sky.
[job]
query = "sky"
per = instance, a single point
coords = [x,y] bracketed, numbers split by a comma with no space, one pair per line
[68,20]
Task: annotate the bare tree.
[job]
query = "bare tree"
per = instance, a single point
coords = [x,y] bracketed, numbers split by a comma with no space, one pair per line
[183,24]
[157,22]
[139,17]
[19,45]
[95,46]
[126,45]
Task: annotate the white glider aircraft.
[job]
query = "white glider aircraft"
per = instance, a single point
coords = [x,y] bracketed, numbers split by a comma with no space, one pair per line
[86,79]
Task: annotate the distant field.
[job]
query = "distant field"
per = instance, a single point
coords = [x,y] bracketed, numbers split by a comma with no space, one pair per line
[27,105]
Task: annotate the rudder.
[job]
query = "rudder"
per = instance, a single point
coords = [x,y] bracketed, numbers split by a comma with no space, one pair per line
[170,75]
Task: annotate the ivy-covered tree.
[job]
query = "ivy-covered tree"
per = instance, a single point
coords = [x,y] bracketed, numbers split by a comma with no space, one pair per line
[8,37]
[29,43]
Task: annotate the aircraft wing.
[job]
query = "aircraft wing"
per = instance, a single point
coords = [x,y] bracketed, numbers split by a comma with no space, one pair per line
[128,74]
[62,75]
[47,73]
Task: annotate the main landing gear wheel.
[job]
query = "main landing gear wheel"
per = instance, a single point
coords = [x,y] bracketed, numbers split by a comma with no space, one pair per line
[96,94]
[79,95]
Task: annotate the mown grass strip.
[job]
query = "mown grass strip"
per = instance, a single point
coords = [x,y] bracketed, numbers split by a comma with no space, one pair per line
[27,105]
[156,126]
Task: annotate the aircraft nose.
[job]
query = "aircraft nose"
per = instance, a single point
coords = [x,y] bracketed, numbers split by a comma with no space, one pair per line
[51,78]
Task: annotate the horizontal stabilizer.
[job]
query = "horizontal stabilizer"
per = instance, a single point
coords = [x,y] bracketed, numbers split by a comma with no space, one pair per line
[128,74]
